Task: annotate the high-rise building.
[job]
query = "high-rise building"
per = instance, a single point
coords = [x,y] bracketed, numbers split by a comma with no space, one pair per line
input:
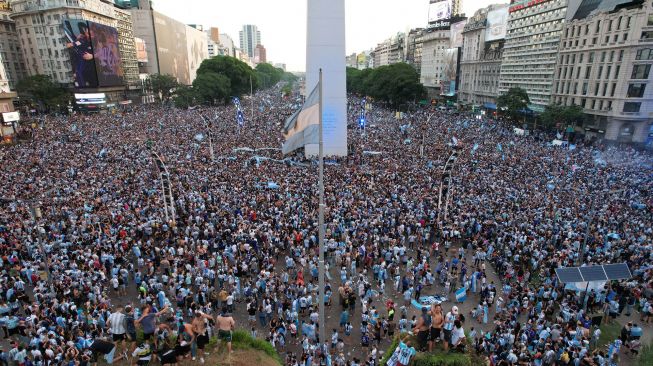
[390,51]
[413,48]
[480,66]
[250,37]
[260,55]
[227,47]
[10,49]
[127,46]
[214,34]
[435,44]
[531,48]
[604,66]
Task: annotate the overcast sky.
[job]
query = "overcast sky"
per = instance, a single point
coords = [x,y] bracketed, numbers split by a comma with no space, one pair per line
[283,22]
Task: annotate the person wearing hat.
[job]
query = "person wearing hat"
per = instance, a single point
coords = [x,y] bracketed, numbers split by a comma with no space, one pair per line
[449,320]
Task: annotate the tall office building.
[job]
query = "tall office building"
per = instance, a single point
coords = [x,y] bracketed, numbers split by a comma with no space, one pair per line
[260,55]
[250,37]
[604,66]
[390,51]
[10,49]
[531,48]
[127,46]
[483,40]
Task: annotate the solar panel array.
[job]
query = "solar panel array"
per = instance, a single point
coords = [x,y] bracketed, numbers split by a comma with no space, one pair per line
[605,272]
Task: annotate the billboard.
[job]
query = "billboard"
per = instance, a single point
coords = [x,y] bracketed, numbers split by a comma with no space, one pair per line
[439,10]
[10,117]
[90,98]
[107,57]
[197,49]
[141,50]
[497,22]
[80,47]
[450,72]
[457,34]
[171,48]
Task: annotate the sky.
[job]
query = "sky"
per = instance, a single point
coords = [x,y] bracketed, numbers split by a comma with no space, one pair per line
[282,23]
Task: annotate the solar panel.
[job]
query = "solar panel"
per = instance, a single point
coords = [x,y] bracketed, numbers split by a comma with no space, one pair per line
[569,275]
[617,271]
[593,273]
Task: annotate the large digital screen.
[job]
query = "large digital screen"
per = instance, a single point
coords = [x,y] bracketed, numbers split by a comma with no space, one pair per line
[90,98]
[497,21]
[197,50]
[141,50]
[80,47]
[450,71]
[94,53]
[439,10]
[457,33]
[107,57]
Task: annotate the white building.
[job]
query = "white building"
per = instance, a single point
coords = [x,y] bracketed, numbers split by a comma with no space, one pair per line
[250,37]
[531,48]
[604,66]
[227,47]
[480,66]
[435,44]
[388,52]
[10,49]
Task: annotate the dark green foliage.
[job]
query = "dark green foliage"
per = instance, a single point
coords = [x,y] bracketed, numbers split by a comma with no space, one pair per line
[394,84]
[210,87]
[163,85]
[565,115]
[242,340]
[515,100]
[185,97]
[238,73]
[41,89]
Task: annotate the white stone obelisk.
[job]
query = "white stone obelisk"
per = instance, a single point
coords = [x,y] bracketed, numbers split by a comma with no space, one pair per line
[325,49]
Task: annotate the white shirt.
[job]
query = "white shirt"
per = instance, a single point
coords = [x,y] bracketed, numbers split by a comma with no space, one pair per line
[117,321]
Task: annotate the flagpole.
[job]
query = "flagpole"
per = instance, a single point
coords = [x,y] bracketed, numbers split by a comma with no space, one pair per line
[322,322]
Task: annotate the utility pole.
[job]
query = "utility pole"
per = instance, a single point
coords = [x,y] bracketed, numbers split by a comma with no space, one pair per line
[251,96]
[322,322]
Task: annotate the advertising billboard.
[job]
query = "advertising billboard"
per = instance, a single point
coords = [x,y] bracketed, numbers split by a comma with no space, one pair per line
[439,10]
[449,72]
[141,50]
[457,33]
[198,50]
[90,98]
[171,48]
[108,64]
[10,117]
[497,22]
[80,47]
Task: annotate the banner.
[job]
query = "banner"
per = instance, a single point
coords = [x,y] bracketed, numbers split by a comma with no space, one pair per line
[497,22]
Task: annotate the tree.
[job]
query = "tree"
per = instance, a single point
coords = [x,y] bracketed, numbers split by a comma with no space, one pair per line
[184,97]
[564,115]
[238,73]
[268,75]
[210,87]
[40,89]
[513,102]
[163,85]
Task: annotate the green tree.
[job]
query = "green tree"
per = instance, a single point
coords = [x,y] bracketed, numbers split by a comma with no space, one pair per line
[163,85]
[395,84]
[238,72]
[564,115]
[268,75]
[185,97]
[211,87]
[40,89]
[514,101]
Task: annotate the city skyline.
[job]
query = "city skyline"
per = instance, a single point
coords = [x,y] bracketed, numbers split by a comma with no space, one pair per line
[368,22]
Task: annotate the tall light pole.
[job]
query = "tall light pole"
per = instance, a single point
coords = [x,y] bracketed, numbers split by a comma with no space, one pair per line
[208,132]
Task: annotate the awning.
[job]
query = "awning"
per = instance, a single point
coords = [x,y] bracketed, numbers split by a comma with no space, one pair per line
[490,106]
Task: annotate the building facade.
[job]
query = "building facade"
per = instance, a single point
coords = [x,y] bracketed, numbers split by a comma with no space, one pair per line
[604,66]
[390,51]
[250,37]
[10,48]
[260,55]
[127,46]
[480,65]
[435,44]
[413,48]
[226,47]
[531,48]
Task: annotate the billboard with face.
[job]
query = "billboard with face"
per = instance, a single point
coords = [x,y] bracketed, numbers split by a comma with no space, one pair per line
[171,48]
[450,71]
[79,44]
[107,57]
[497,22]
[457,34]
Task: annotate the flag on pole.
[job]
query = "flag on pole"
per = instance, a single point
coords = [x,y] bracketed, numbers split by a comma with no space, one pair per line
[302,127]
[240,118]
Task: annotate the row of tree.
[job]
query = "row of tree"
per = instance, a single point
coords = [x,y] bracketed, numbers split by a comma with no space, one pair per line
[396,84]
[515,102]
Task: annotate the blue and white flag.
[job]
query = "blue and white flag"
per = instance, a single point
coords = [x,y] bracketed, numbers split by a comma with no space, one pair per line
[474,148]
[240,118]
[461,294]
[236,101]
[499,147]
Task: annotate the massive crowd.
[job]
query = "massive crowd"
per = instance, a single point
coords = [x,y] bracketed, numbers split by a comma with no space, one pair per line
[90,264]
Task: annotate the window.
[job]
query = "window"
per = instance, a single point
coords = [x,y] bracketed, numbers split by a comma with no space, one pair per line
[650,19]
[600,73]
[621,55]
[585,88]
[598,26]
[593,103]
[640,71]
[591,57]
[607,39]
[644,54]
[597,88]
[616,71]
[603,56]
[583,102]
[607,72]
[594,40]
[610,26]
[588,71]
[580,60]
[632,107]
[611,56]
[614,87]
[636,90]
[625,36]
[647,35]
[615,38]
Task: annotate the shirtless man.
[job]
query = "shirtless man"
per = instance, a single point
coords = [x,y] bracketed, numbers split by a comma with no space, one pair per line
[226,325]
[198,325]
[437,321]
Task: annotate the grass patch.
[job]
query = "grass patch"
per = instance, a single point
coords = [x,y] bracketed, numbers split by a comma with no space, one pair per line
[609,332]
[645,356]
[243,340]
[442,359]
[389,351]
